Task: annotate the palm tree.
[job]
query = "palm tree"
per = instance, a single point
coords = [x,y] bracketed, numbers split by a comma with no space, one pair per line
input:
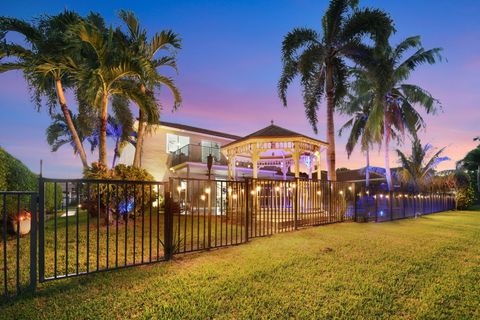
[58,133]
[417,169]
[319,60]
[110,69]
[472,162]
[46,64]
[139,44]
[358,106]
[394,100]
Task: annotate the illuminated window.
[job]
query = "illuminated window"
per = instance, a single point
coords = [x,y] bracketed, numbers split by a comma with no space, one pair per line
[175,142]
[210,147]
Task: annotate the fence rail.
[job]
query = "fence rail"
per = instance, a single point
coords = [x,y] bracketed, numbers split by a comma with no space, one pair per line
[89,226]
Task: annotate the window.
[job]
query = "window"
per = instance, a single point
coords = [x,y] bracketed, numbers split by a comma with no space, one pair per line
[210,147]
[175,142]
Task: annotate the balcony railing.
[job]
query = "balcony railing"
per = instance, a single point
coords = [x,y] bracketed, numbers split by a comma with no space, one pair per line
[197,153]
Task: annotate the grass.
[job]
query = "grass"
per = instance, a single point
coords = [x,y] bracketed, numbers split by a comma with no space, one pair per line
[417,268]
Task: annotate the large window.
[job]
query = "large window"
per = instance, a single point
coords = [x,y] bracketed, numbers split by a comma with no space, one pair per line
[175,142]
[210,147]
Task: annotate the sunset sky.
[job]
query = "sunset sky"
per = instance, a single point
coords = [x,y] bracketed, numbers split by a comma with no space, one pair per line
[230,64]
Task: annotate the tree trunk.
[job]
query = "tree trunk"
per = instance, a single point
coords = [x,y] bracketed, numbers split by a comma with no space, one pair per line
[115,153]
[386,141]
[367,169]
[332,174]
[478,178]
[139,144]
[71,126]
[102,132]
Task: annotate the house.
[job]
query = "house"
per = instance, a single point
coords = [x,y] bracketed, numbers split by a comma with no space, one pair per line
[178,150]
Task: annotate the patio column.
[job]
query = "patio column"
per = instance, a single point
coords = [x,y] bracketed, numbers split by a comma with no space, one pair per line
[319,167]
[296,163]
[255,158]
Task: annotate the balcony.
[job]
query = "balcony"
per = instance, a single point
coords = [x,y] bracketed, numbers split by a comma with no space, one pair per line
[197,153]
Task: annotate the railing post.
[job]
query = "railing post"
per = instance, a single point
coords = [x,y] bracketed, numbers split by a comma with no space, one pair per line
[247,211]
[390,198]
[209,238]
[41,226]
[168,223]
[33,241]
[295,223]
[354,202]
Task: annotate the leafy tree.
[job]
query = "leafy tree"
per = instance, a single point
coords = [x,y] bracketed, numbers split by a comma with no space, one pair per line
[418,168]
[46,63]
[471,162]
[164,41]
[319,60]
[395,101]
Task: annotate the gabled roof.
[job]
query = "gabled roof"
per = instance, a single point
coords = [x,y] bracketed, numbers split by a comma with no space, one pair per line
[274,131]
[199,130]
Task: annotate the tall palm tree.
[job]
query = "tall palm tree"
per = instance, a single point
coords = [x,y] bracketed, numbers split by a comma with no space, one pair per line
[358,107]
[150,49]
[45,63]
[472,162]
[110,69]
[417,168]
[320,60]
[395,101]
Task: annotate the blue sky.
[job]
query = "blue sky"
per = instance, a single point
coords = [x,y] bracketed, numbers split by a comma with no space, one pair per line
[230,64]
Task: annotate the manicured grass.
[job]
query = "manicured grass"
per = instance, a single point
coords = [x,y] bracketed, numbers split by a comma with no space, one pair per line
[417,268]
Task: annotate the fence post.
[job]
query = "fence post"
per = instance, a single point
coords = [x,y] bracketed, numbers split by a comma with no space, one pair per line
[168,223]
[247,211]
[33,241]
[403,205]
[209,238]
[354,202]
[391,204]
[375,197]
[41,226]
[295,223]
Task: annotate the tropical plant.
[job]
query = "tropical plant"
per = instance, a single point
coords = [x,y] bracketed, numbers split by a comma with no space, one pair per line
[109,69]
[46,63]
[471,162]
[395,101]
[319,60]
[139,44]
[419,167]
[358,105]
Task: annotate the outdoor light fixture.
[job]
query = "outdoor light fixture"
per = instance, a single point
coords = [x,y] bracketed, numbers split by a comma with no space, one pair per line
[252,192]
[259,188]
[202,197]
[350,188]
[340,192]
[234,196]
[277,189]
[207,190]
[319,193]
[179,189]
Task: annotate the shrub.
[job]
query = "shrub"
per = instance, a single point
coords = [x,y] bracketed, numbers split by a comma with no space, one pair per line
[15,176]
[119,199]
[465,197]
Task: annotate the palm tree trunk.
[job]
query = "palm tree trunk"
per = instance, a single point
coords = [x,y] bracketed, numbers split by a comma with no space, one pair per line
[386,141]
[69,121]
[332,174]
[139,144]
[478,178]
[102,131]
[115,153]
[367,169]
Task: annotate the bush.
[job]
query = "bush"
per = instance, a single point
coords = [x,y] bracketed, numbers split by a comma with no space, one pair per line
[124,199]
[465,197]
[15,176]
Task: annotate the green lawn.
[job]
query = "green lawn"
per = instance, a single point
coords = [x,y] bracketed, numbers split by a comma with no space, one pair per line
[417,268]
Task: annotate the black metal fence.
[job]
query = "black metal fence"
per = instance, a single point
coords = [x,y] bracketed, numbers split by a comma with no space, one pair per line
[89,226]
[19,247]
